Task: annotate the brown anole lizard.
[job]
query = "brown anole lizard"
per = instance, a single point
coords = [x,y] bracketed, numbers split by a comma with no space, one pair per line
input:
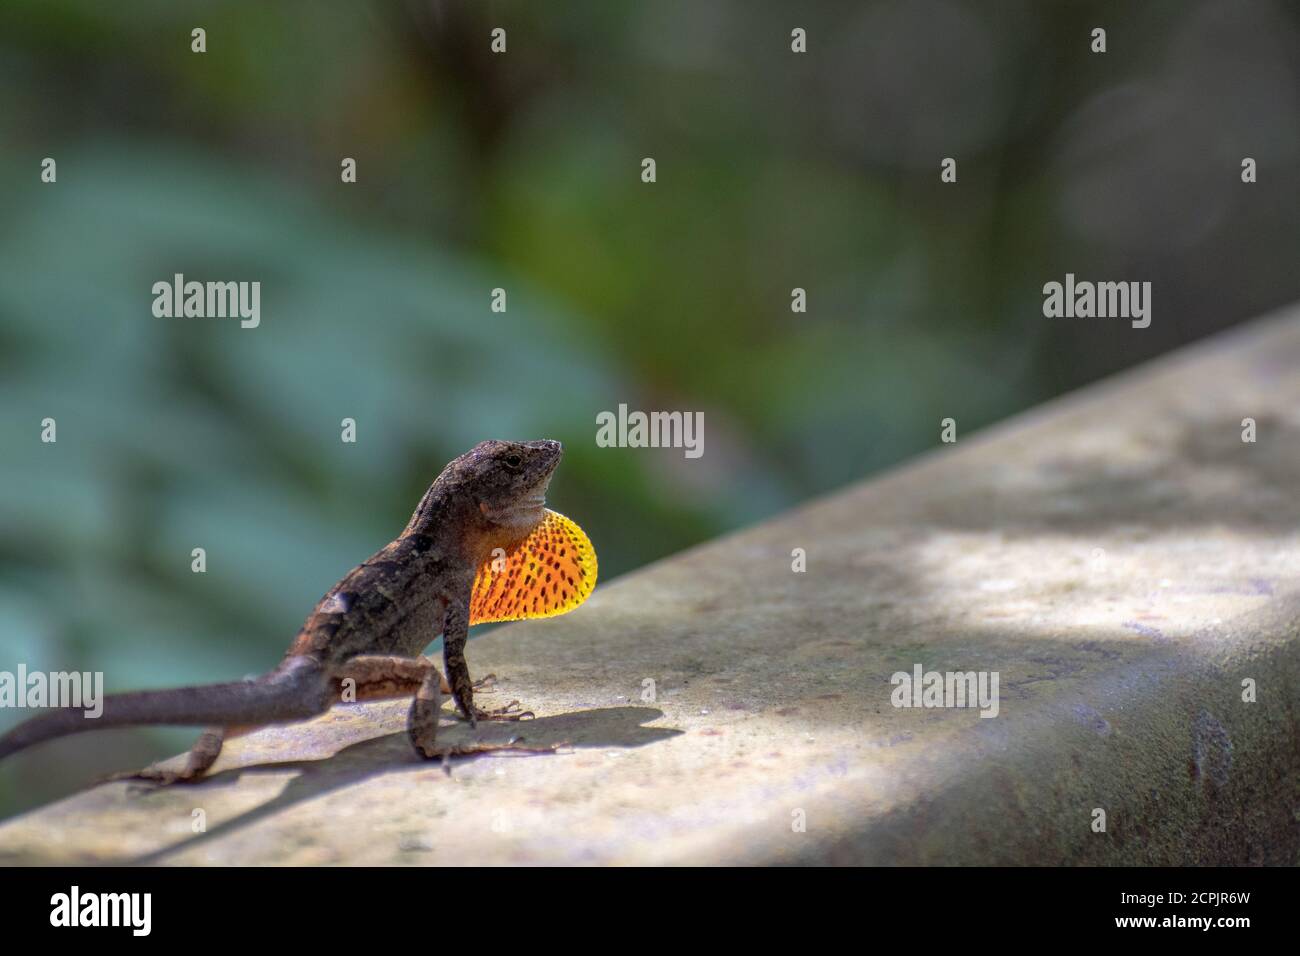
[481,547]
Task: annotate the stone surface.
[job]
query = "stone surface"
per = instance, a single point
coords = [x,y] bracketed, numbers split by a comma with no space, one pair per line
[1120,558]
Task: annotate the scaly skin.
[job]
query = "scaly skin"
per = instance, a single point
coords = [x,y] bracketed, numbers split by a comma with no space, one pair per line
[367,632]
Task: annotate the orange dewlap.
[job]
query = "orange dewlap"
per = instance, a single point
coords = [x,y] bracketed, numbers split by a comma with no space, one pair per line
[551,572]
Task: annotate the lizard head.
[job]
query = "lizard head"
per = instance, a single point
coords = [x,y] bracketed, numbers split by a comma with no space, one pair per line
[506,481]
[494,497]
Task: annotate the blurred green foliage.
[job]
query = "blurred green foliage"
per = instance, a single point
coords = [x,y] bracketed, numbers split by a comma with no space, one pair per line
[521,171]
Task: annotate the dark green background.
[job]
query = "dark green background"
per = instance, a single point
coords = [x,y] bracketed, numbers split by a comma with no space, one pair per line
[775,170]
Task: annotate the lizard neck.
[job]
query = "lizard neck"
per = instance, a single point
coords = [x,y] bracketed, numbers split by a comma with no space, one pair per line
[449,522]
[455,527]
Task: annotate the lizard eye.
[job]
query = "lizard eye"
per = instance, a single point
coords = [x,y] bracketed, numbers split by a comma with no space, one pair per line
[514,461]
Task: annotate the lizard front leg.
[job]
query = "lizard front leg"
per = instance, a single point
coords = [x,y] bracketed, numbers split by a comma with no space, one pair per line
[455,632]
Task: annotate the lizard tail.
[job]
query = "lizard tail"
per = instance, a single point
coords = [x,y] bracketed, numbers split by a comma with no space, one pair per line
[295,690]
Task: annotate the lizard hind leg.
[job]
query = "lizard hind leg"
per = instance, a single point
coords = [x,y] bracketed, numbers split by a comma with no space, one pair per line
[422,727]
[296,690]
[198,760]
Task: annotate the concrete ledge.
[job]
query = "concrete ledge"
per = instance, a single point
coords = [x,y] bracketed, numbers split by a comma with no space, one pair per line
[1120,558]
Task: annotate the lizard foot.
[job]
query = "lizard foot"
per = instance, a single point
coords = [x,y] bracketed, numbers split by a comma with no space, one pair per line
[486,683]
[510,711]
[469,750]
[154,775]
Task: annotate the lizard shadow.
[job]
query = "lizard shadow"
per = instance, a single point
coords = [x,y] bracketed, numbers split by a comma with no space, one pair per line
[392,754]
